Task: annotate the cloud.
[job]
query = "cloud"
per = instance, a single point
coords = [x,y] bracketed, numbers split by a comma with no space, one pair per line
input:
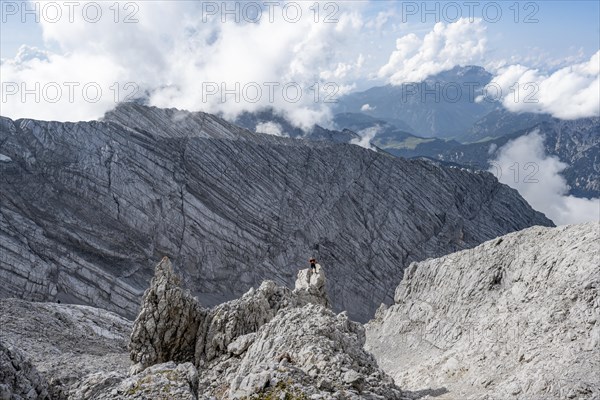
[366,135]
[569,93]
[175,57]
[270,128]
[446,46]
[523,164]
[367,107]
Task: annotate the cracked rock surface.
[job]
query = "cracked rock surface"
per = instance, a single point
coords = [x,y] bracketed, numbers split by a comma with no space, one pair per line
[19,379]
[517,317]
[86,208]
[65,342]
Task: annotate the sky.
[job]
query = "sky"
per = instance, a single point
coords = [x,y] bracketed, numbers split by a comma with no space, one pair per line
[75,60]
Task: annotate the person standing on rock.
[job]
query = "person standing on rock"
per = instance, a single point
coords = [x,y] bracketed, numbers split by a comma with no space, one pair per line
[314,266]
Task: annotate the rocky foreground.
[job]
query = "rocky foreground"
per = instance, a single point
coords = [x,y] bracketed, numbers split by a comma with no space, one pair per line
[515,318]
[269,343]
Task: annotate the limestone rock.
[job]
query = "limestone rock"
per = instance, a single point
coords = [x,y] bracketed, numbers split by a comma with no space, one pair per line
[310,350]
[19,379]
[231,207]
[310,287]
[166,328]
[241,344]
[161,381]
[514,318]
[225,323]
[64,342]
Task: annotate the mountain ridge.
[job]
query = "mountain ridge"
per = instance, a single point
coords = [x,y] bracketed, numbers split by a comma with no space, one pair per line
[87,206]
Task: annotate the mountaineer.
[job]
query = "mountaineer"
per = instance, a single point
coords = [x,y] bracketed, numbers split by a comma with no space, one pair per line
[314,266]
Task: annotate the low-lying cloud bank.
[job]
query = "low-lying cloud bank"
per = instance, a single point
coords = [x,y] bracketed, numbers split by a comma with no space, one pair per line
[569,93]
[524,165]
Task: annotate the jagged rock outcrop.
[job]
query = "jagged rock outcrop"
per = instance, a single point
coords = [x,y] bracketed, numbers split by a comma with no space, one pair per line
[173,326]
[310,287]
[270,341]
[65,343]
[517,317]
[166,328]
[312,351]
[226,322]
[18,378]
[86,208]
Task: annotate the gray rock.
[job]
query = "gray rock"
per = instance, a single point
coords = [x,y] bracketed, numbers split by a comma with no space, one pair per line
[310,287]
[19,379]
[161,381]
[172,326]
[241,344]
[317,345]
[65,343]
[514,318]
[86,208]
[167,326]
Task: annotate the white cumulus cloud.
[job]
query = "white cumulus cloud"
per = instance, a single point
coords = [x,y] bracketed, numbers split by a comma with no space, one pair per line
[569,93]
[446,46]
[177,58]
[524,165]
[367,107]
[270,128]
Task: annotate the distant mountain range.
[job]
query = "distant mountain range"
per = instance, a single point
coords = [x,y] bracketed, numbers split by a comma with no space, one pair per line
[443,106]
[410,121]
[576,143]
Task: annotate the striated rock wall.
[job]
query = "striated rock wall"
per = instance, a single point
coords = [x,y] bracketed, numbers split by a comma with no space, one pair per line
[517,317]
[86,208]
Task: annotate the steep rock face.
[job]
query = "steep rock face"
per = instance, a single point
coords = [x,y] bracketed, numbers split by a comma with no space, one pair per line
[517,317]
[86,207]
[18,378]
[166,328]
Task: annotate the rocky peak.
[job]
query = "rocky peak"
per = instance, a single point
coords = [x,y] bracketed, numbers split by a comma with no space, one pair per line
[165,329]
[173,326]
[272,340]
[310,287]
